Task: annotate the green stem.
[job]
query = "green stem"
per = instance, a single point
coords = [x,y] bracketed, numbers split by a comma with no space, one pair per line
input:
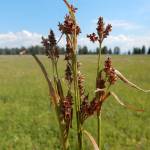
[77,104]
[99,59]
[76,90]
[56,68]
[75,78]
[99,113]
[99,119]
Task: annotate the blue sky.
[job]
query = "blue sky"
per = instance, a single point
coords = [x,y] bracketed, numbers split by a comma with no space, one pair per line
[22,22]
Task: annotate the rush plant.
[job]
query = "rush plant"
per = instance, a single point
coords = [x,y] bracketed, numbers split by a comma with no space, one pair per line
[75,100]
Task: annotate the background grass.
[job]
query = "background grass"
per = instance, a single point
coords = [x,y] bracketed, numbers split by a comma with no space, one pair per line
[27,122]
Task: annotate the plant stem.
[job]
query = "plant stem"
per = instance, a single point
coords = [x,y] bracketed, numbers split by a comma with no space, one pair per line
[99,112]
[77,104]
[76,90]
[99,59]
[99,119]
[75,77]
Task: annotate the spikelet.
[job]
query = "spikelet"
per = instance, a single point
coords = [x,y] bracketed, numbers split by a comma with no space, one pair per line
[50,46]
[69,26]
[68,73]
[110,71]
[102,31]
[67,110]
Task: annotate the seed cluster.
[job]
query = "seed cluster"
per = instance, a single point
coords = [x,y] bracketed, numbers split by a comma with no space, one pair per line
[89,108]
[67,109]
[102,31]
[69,26]
[106,75]
[50,46]
[68,73]
[110,71]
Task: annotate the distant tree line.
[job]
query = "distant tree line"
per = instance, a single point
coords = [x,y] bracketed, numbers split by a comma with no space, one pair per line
[116,51]
[39,50]
[81,50]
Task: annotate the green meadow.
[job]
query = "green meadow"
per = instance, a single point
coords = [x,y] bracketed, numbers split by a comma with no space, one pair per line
[28,121]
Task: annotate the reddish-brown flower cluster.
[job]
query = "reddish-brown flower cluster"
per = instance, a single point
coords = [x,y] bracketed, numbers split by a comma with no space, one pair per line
[95,106]
[69,26]
[69,49]
[67,109]
[68,57]
[89,108]
[107,30]
[50,45]
[105,75]
[100,28]
[101,31]
[92,37]
[110,71]
[84,109]
[68,73]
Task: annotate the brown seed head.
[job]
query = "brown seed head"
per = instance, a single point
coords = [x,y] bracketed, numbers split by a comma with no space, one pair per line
[69,50]
[50,45]
[107,30]
[94,106]
[69,26]
[68,73]
[101,31]
[100,28]
[84,109]
[92,37]
[67,109]
[110,71]
[46,45]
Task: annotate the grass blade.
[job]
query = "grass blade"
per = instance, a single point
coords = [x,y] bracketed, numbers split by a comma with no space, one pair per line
[95,146]
[51,89]
[125,80]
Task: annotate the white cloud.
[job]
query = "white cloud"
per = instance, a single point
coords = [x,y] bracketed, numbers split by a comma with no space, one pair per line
[26,38]
[18,39]
[126,42]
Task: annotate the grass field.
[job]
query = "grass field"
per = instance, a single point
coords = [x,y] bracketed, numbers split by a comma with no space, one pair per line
[27,122]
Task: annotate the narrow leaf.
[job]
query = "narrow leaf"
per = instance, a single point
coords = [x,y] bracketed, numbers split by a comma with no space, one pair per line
[125,80]
[123,104]
[51,89]
[95,146]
